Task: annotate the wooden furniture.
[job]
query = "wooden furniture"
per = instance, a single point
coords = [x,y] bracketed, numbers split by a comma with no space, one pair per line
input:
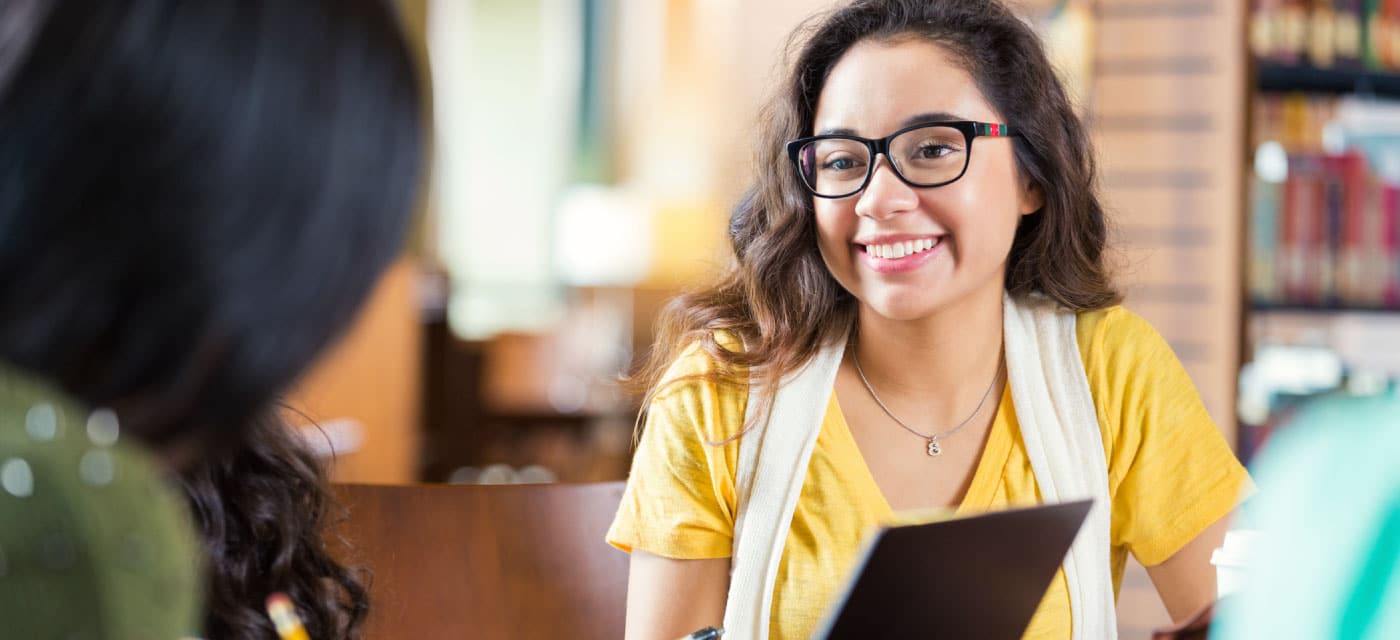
[486,403]
[372,376]
[487,561]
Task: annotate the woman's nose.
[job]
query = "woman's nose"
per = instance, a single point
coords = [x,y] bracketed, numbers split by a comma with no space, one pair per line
[886,194]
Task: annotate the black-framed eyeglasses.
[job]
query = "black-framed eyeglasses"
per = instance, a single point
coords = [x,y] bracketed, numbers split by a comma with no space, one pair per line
[931,154]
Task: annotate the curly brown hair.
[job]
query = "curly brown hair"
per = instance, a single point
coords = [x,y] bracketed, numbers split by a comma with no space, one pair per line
[778,296]
[262,510]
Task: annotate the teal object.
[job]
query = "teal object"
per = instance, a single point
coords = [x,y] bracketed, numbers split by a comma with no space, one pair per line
[1328,565]
[95,544]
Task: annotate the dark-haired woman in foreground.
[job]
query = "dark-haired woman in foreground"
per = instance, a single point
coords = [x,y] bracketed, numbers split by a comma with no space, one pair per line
[195,199]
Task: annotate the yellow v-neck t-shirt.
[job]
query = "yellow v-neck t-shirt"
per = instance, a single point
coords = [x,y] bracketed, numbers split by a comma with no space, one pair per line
[1171,474]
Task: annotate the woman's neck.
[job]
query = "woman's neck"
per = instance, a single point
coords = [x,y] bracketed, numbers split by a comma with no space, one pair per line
[937,360]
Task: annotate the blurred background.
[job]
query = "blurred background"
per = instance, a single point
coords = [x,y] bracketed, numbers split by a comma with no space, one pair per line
[588,151]
[587,154]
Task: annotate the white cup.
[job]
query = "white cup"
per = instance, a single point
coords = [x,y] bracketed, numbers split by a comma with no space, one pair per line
[1232,561]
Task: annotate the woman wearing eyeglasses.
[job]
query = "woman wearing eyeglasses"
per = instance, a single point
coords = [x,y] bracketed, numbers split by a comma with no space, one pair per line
[918,316]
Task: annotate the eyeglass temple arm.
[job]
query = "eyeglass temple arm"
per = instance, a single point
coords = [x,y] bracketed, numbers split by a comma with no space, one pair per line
[992,130]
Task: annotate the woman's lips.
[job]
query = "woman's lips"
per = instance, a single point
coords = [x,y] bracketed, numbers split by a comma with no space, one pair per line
[899,256]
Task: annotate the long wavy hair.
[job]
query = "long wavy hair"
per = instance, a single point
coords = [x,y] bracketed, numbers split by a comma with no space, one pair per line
[778,296]
[262,510]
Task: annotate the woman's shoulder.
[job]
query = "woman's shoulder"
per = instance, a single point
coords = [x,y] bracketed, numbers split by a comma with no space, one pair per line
[1113,326]
[65,472]
[1126,357]
[700,365]
[1116,334]
[702,392]
[1134,374]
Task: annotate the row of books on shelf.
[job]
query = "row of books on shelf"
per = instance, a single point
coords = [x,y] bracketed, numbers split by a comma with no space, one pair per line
[1327,235]
[1344,34]
[1297,121]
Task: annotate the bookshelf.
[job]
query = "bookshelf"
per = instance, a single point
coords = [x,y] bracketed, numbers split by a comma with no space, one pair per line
[1322,214]
[1274,77]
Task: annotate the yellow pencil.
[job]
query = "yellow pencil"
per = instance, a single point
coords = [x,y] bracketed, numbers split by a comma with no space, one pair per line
[284,617]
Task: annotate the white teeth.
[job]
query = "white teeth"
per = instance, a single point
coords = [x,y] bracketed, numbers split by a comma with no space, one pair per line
[897,250]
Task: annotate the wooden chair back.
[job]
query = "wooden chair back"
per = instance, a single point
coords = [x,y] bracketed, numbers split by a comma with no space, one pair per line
[487,561]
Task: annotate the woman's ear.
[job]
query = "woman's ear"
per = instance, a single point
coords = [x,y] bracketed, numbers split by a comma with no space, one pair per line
[1032,198]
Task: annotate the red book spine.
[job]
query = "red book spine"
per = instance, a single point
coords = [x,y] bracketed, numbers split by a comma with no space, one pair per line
[1304,213]
[1390,247]
[1350,276]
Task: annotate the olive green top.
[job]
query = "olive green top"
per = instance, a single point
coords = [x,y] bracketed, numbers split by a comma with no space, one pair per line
[94,542]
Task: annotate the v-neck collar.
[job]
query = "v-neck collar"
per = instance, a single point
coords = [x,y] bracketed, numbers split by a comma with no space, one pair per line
[990,466]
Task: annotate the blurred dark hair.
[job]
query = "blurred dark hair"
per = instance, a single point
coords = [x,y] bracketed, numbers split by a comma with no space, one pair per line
[195,198]
[262,510]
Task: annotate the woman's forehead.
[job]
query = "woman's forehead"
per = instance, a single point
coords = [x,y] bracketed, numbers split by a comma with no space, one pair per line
[877,87]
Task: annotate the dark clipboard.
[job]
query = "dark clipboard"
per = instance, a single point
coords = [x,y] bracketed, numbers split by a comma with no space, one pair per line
[976,577]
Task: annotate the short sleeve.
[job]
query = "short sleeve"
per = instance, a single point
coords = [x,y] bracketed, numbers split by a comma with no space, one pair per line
[1171,472]
[680,501]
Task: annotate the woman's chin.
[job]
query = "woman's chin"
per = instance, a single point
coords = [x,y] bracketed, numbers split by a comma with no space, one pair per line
[900,310]
[926,302]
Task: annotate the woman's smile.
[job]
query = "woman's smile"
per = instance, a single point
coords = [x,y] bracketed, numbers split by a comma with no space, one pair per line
[899,254]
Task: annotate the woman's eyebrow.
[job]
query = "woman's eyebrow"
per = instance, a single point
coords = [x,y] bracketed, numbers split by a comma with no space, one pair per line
[932,116]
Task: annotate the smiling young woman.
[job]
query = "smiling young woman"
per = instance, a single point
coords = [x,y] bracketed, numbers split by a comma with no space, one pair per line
[924,237]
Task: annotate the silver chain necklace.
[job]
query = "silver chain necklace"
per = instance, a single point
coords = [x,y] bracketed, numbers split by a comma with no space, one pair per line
[934,449]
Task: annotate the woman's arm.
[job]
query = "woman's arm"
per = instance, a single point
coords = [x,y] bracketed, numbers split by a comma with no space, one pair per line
[1173,477]
[1186,580]
[667,599]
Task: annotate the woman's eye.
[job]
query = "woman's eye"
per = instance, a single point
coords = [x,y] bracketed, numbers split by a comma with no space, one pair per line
[934,151]
[840,164]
